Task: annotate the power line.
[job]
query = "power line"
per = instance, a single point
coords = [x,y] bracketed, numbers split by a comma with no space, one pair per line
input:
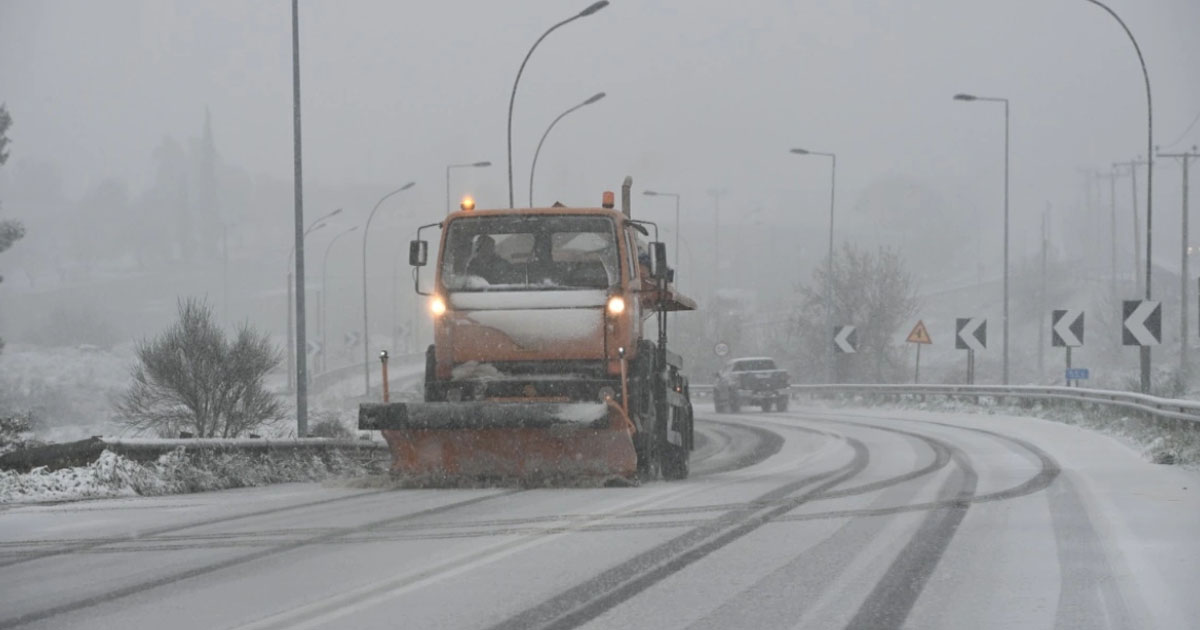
[1183,136]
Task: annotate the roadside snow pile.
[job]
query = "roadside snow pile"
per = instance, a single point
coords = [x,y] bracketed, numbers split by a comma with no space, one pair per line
[1157,442]
[177,472]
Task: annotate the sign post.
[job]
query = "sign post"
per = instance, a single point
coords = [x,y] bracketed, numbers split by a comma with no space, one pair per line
[845,340]
[1066,331]
[970,335]
[919,336]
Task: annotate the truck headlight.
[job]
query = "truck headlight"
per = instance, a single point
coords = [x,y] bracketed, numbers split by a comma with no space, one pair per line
[437,306]
[616,305]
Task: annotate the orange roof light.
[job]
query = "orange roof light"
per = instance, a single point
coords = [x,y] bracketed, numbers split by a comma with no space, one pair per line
[467,204]
[607,199]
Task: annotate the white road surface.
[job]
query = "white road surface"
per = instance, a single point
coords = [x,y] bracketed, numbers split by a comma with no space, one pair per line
[814,518]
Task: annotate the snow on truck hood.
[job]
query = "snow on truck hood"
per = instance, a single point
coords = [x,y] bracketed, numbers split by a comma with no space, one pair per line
[527,300]
[535,320]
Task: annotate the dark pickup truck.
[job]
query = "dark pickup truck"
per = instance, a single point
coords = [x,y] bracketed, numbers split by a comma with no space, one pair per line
[750,381]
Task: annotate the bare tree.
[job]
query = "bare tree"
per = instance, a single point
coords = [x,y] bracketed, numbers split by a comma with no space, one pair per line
[191,378]
[10,231]
[872,292]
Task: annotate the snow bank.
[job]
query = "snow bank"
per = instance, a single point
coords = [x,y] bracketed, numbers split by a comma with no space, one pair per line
[1158,442]
[179,472]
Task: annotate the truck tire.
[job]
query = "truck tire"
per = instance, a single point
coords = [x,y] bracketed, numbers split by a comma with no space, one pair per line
[674,462]
[781,403]
[766,406]
[734,405]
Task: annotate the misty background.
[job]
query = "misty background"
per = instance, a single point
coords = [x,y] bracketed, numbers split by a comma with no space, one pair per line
[152,155]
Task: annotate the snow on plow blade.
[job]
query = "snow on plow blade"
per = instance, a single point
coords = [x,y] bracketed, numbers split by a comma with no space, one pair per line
[528,441]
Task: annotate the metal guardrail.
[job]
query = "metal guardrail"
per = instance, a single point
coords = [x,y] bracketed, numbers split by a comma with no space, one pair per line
[1187,411]
[322,380]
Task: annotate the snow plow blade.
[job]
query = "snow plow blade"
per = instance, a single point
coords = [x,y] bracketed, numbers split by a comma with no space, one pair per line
[527,441]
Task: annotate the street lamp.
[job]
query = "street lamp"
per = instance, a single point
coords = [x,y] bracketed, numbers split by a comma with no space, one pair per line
[654,193]
[594,7]
[1145,351]
[292,368]
[293,378]
[366,330]
[595,97]
[829,290]
[970,98]
[325,297]
[483,164]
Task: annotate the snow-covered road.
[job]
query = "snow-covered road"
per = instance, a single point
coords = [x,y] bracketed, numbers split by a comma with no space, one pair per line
[815,518]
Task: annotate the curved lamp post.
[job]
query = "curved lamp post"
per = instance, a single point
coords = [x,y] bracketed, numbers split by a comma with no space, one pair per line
[988,99]
[293,372]
[594,7]
[1145,354]
[533,168]
[325,297]
[482,164]
[366,330]
[654,193]
[829,293]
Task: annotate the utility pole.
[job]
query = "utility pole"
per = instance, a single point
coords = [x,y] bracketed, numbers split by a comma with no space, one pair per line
[1183,259]
[716,277]
[1132,165]
[1042,302]
[1111,177]
[225,273]
[301,342]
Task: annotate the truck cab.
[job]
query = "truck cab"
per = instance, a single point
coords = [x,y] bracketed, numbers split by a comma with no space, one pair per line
[536,303]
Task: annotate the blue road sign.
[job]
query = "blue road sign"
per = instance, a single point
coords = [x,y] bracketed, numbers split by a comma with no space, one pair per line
[1077,374]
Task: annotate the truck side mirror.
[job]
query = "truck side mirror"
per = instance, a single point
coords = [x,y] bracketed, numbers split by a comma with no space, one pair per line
[418,253]
[658,250]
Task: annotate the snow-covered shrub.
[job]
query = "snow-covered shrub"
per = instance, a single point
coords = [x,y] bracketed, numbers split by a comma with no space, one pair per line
[193,379]
[16,432]
[182,471]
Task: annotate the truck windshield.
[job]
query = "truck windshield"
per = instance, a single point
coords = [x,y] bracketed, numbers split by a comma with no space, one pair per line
[506,253]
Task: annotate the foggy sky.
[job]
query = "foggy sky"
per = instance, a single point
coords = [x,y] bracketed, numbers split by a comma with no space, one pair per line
[701,95]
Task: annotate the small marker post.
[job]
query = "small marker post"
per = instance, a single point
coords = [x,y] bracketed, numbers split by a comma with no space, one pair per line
[1068,365]
[383,358]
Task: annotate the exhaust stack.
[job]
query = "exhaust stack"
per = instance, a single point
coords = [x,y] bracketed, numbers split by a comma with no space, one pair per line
[625,188]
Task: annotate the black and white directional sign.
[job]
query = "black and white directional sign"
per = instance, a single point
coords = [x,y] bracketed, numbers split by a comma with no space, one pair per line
[845,339]
[351,339]
[1067,328]
[1143,323]
[313,347]
[970,333]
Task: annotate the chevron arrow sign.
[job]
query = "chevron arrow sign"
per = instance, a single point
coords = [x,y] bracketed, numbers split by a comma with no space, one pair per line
[1066,331]
[1142,323]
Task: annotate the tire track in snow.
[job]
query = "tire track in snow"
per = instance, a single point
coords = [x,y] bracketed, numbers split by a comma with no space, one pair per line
[897,591]
[76,546]
[179,576]
[592,598]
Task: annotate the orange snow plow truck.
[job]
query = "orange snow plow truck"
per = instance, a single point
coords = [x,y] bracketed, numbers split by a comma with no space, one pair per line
[541,369]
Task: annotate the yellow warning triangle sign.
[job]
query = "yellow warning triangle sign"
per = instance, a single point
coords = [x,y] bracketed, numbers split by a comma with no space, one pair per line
[919,334]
